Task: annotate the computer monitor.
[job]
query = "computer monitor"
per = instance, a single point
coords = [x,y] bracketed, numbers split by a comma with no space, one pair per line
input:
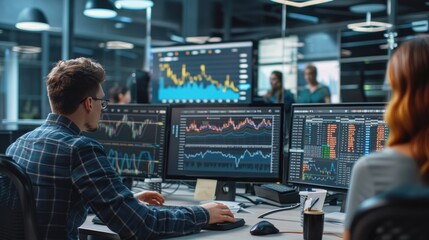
[226,142]
[205,73]
[134,138]
[327,139]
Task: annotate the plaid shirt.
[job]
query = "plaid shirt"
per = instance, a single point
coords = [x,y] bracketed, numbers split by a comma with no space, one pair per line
[71,173]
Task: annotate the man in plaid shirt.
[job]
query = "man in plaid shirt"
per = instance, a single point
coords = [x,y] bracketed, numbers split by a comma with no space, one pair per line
[70,173]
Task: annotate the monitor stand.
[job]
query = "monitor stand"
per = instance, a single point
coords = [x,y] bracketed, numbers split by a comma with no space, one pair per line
[225,191]
[343,204]
[338,217]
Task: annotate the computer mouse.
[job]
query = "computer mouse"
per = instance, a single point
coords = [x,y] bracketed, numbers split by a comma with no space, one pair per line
[263,228]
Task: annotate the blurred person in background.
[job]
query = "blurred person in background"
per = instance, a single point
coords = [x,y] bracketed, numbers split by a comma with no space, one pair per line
[314,92]
[120,94]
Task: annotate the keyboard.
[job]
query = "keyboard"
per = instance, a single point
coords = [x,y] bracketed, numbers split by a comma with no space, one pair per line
[280,188]
[223,226]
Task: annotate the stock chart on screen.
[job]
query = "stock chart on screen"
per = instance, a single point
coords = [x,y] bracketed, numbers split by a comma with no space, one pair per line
[229,142]
[133,137]
[327,139]
[208,73]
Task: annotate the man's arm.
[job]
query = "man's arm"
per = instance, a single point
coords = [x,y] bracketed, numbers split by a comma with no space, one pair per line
[100,186]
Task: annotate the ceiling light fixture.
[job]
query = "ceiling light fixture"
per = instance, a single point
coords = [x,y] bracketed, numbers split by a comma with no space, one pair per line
[201,39]
[99,9]
[301,3]
[26,49]
[32,19]
[368,25]
[119,45]
[214,39]
[133,4]
[197,39]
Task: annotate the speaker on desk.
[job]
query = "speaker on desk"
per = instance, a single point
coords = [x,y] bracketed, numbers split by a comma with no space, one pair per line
[279,197]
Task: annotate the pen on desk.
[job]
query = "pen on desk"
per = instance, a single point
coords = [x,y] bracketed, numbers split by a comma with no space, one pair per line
[312,204]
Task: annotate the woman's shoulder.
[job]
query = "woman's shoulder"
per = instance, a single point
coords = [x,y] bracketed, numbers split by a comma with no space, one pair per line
[387,157]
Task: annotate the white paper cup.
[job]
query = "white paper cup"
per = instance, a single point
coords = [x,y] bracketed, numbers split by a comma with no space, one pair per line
[312,194]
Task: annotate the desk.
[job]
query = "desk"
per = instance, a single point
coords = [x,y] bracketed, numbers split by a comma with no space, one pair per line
[284,221]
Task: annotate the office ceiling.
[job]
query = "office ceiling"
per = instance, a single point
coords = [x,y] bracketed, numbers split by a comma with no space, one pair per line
[256,19]
[247,19]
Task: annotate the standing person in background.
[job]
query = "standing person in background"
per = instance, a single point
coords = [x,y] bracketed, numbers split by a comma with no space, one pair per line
[71,173]
[314,92]
[405,161]
[278,94]
[120,94]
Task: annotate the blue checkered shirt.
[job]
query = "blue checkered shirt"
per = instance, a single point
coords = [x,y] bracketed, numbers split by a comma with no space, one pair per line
[71,173]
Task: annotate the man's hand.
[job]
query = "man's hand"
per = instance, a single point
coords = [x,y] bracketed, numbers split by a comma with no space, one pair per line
[150,197]
[218,212]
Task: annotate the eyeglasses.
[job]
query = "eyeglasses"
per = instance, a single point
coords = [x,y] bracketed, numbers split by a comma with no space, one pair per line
[104,102]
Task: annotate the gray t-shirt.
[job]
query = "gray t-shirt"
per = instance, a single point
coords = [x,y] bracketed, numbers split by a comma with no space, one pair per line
[376,173]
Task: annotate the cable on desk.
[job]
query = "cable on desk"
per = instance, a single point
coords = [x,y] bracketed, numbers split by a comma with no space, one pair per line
[175,190]
[293,206]
[190,186]
[167,184]
[256,202]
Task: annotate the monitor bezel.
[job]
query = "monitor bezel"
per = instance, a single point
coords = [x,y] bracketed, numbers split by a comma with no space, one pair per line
[287,158]
[252,72]
[280,174]
[166,140]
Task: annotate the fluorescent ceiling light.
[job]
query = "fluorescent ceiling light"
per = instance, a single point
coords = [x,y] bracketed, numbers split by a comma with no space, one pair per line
[133,4]
[117,45]
[215,39]
[26,49]
[301,3]
[199,39]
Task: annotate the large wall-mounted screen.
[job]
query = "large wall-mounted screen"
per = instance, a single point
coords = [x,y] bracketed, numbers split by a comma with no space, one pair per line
[207,73]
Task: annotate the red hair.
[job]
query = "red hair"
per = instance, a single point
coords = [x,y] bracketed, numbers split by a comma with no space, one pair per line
[408,110]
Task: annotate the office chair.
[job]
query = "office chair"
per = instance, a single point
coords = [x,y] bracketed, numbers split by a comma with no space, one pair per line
[17,205]
[402,213]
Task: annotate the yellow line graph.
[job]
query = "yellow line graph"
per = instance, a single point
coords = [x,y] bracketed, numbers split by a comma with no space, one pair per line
[185,75]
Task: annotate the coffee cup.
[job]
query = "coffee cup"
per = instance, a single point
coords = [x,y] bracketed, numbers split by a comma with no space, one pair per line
[313,224]
[308,197]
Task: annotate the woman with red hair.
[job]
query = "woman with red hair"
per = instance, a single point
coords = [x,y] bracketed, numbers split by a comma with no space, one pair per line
[405,160]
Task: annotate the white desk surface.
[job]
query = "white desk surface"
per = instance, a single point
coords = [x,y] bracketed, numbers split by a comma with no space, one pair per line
[284,221]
